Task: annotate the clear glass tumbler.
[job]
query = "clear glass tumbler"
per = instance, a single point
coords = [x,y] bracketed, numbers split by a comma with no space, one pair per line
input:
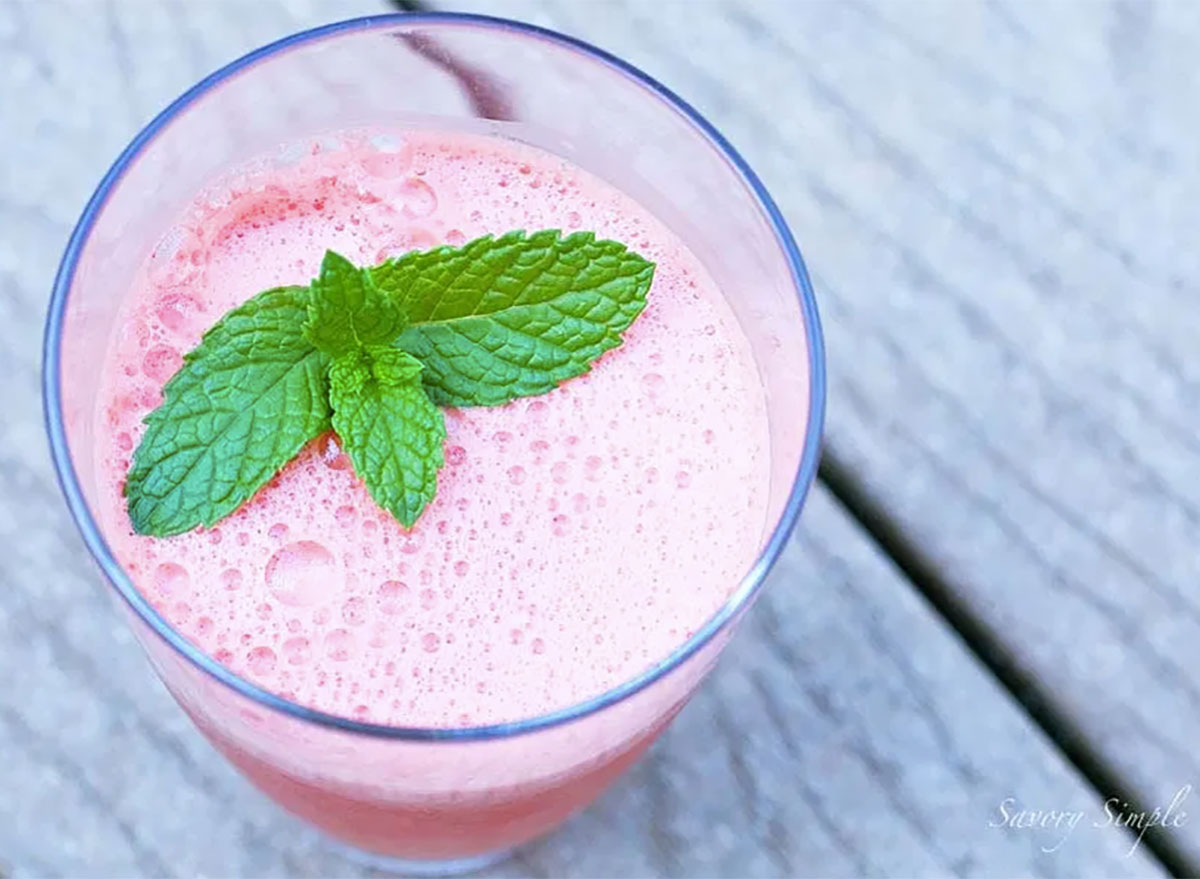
[440,798]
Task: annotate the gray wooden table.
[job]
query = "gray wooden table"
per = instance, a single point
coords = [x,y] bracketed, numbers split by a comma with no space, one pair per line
[992,598]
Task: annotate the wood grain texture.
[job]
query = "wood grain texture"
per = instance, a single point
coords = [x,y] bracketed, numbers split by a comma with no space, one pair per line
[848,732]
[999,202]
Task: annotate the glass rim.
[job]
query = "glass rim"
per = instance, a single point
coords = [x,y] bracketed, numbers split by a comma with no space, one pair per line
[68,480]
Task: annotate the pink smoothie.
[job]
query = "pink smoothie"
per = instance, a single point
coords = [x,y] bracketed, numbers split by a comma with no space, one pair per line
[576,538]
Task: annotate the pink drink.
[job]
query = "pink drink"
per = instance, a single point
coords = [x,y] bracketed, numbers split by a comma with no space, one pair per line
[576,538]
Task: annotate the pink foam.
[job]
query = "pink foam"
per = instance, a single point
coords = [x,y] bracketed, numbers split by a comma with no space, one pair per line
[576,538]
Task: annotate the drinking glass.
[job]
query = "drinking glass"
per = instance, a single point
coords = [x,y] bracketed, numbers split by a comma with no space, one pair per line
[415,798]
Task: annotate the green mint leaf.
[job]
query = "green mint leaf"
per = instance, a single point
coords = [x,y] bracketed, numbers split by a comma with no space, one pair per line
[389,427]
[347,310]
[245,401]
[514,316]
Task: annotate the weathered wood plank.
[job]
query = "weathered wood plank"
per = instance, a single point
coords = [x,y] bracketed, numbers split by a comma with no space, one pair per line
[999,202]
[848,732]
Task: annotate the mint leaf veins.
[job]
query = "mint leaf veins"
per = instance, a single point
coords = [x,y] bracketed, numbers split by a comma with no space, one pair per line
[245,401]
[372,353]
[515,316]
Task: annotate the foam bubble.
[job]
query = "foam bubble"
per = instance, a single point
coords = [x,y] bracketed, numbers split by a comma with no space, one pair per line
[161,362]
[387,163]
[417,198]
[393,597]
[298,650]
[261,661]
[172,579]
[338,645]
[301,573]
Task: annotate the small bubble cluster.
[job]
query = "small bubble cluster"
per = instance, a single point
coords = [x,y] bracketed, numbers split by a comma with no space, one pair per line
[576,537]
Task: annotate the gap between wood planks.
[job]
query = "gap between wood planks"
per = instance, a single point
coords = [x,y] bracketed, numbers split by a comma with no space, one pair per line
[940,592]
[1039,703]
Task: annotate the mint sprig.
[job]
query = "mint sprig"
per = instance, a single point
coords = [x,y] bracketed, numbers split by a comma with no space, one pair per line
[372,352]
